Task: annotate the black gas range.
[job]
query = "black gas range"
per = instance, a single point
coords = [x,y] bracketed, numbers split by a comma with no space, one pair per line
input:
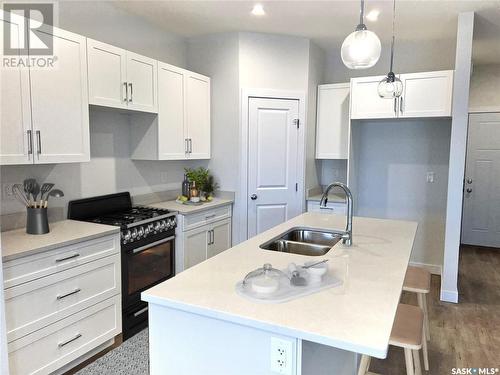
[147,248]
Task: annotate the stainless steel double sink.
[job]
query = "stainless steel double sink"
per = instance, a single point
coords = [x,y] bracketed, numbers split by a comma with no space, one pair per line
[302,241]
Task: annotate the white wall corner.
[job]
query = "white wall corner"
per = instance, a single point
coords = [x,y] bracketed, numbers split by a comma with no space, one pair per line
[458,146]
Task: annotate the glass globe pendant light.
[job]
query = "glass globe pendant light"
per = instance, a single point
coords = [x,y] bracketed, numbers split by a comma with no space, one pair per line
[361,49]
[391,87]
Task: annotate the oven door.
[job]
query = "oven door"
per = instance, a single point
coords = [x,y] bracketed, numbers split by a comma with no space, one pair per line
[145,266]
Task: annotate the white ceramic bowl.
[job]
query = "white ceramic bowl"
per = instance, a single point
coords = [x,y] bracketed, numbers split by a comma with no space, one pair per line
[265,285]
[317,272]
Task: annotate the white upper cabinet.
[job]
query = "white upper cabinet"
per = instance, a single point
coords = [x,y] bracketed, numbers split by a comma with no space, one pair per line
[426,94]
[182,129]
[107,67]
[365,101]
[15,113]
[121,79]
[45,110]
[332,121]
[172,134]
[59,103]
[198,115]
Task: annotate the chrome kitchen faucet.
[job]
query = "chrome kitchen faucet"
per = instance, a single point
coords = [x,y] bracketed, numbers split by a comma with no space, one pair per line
[347,235]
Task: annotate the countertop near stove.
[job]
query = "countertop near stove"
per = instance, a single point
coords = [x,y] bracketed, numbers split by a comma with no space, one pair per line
[17,243]
[185,209]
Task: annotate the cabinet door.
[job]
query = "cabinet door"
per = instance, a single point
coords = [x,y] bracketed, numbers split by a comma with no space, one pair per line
[198,115]
[142,75]
[195,246]
[107,74]
[172,137]
[60,106]
[365,101]
[15,111]
[427,94]
[220,237]
[332,122]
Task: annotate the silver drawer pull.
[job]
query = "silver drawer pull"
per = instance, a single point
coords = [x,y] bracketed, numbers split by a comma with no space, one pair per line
[69,294]
[64,343]
[325,208]
[141,311]
[68,257]
[210,216]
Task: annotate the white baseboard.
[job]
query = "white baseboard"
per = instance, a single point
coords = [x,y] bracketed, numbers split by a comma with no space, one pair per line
[434,269]
[449,296]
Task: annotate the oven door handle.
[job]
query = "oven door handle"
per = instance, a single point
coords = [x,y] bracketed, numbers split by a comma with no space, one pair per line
[149,245]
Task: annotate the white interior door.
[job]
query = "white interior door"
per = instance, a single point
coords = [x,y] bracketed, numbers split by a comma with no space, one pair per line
[481,214]
[273,144]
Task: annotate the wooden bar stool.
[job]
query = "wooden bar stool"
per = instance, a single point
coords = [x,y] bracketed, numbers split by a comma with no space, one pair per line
[418,280]
[407,333]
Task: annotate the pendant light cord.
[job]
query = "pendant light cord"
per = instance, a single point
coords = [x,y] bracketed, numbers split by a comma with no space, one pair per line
[362,13]
[393,28]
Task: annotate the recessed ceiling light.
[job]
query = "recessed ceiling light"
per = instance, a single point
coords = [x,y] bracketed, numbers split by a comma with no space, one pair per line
[258,10]
[373,15]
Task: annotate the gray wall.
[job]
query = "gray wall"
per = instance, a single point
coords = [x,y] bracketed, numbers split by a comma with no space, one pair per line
[485,87]
[110,169]
[393,160]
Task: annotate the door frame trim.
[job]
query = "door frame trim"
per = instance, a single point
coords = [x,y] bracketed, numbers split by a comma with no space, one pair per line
[241,232]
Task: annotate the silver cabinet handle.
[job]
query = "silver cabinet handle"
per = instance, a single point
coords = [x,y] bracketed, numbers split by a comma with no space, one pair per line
[401,107]
[190,150]
[39,142]
[210,216]
[395,106]
[30,142]
[186,145]
[213,237]
[131,92]
[253,197]
[77,290]
[126,92]
[67,258]
[141,311]
[64,343]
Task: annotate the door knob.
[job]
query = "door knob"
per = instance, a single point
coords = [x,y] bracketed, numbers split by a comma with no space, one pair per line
[253,197]
[469,190]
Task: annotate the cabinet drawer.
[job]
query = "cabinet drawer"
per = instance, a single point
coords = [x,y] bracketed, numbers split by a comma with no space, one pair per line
[52,347]
[206,217]
[331,208]
[41,302]
[32,267]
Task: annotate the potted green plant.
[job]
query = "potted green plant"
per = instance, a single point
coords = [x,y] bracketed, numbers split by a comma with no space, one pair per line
[203,180]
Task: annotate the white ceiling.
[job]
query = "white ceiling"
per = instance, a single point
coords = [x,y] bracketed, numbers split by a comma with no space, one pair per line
[328,22]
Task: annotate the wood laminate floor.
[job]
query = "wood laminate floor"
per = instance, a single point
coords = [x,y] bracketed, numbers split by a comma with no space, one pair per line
[462,335]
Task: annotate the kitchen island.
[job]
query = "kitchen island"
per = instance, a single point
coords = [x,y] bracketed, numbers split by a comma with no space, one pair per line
[200,325]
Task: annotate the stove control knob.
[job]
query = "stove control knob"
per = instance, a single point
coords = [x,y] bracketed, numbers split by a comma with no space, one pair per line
[134,233]
[126,235]
[157,226]
[151,228]
[171,223]
[140,232]
[163,224]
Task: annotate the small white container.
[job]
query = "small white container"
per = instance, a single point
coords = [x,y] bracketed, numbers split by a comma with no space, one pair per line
[265,284]
[317,272]
[195,199]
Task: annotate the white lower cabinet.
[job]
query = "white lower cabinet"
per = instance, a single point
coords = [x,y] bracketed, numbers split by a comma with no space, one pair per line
[209,236]
[62,304]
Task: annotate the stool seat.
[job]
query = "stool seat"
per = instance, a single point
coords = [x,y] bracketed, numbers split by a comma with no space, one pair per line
[407,328]
[417,280]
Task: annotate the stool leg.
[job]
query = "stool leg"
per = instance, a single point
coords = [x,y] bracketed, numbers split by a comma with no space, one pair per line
[422,303]
[364,364]
[409,362]
[416,361]
[424,352]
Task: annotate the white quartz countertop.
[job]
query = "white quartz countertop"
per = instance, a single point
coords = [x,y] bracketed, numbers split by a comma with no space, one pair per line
[186,209]
[357,317]
[17,243]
